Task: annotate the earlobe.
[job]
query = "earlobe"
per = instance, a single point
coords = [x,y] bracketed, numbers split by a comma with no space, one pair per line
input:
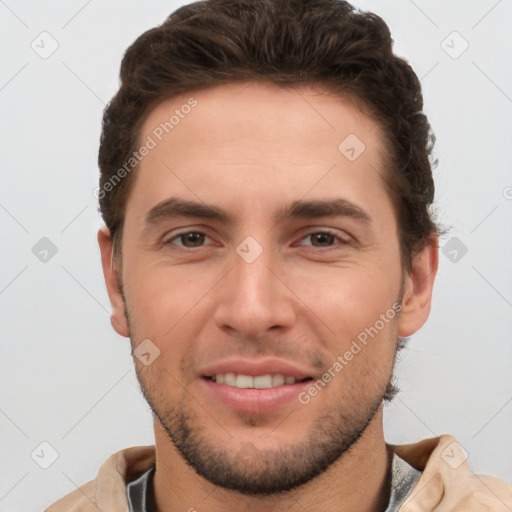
[118,317]
[418,288]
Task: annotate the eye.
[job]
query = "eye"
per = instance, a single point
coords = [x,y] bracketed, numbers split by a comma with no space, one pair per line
[324,239]
[190,239]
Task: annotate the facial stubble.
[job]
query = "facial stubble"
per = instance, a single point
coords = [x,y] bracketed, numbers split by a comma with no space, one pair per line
[247,469]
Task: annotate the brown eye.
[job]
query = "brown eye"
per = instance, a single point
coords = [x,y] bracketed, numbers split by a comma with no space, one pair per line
[323,239]
[189,240]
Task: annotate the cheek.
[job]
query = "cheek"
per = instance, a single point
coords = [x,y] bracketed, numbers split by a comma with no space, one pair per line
[162,297]
[168,307]
[347,299]
[362,361]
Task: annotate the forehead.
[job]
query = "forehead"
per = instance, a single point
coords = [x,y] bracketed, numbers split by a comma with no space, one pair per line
[269,143]
[260,109]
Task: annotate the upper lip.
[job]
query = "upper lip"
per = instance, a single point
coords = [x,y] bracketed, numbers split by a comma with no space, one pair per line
[254,368]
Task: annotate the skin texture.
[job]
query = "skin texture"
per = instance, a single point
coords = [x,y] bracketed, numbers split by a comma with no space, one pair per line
[251,149]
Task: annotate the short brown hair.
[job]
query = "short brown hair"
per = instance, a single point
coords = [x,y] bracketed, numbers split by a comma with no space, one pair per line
[213,42]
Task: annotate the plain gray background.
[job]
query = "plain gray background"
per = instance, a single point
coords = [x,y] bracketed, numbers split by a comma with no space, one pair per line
[67,379]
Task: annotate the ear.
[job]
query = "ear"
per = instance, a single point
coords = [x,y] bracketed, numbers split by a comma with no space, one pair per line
[418,287]
[118,317]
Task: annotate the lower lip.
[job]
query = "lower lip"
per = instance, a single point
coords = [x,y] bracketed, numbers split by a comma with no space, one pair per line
[254,400]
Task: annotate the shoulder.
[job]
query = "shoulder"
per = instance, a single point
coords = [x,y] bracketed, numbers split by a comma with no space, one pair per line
[108,490]
[447,480]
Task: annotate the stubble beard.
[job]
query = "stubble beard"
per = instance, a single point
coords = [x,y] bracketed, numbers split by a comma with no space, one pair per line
[258,472]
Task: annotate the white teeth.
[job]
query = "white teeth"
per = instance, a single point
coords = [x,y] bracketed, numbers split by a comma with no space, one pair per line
[263,381]
[229,379]
[244,381]
[277,380]
[247,381]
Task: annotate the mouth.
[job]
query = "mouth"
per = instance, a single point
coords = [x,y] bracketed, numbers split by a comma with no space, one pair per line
[267,381]
[254,386]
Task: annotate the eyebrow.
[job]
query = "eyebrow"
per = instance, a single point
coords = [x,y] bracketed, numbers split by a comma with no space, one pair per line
[176,207]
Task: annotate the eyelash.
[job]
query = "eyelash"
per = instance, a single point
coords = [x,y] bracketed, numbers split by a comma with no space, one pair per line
[321,232]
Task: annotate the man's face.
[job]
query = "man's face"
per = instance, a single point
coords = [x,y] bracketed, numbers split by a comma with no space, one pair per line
[259,295]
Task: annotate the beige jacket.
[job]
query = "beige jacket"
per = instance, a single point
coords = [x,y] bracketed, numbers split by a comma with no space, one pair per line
[447,483]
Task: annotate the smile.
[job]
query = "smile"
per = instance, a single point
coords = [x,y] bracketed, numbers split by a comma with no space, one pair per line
[257,382]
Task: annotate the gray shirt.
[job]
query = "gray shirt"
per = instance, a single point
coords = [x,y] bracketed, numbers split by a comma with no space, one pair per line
[403,479]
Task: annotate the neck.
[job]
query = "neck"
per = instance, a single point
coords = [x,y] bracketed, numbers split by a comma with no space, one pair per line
[357,481]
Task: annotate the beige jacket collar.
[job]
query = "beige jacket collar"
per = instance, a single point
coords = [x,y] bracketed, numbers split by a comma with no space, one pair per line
[446,483]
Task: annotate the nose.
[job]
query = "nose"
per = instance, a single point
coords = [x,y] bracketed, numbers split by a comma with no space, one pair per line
[254,298]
